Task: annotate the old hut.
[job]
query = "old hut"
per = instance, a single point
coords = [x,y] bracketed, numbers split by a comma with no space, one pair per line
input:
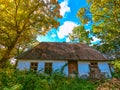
[80,59]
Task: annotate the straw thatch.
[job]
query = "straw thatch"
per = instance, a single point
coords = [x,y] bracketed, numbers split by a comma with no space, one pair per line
[61,51]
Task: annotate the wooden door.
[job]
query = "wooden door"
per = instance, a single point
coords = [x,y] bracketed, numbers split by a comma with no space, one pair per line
[73,67]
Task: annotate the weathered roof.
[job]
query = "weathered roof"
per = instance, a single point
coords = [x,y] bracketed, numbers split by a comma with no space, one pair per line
[61,51]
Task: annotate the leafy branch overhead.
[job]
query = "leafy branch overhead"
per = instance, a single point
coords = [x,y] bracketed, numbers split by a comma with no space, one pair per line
[22,20]
[105,16]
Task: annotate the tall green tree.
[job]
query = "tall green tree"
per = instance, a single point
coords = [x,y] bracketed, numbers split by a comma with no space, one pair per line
[21,21]
[106,23]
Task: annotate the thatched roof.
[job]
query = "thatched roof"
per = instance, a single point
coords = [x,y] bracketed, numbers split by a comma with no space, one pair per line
[61,51]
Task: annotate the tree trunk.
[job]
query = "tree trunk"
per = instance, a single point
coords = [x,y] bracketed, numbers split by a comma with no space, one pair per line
[6,55]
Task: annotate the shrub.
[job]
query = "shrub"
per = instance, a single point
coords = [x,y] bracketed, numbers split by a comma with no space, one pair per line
[11,79]
[116,72]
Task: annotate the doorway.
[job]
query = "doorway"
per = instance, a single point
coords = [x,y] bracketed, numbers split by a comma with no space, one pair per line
[73,67]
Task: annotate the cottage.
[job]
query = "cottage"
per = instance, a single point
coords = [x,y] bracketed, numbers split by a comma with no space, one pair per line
[80,58]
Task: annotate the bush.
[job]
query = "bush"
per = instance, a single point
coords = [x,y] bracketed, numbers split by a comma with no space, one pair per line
[11,79]
[116,72]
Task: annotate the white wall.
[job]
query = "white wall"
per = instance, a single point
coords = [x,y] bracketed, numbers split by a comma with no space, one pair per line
[23,65]
[104,67]
[56,65]
[83,68]
[41,66]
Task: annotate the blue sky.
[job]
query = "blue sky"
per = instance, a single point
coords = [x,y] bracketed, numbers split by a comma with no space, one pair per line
[69,9]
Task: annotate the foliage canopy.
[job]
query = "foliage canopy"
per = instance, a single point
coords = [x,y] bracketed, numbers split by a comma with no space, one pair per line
[21,21]
[106,24]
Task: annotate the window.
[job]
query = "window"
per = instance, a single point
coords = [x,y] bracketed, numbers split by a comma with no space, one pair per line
[93,63]
[93,66]
[34,66]
[95,72]
[48,67]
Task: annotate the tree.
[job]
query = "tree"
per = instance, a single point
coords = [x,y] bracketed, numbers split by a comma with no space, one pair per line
[79,34]
[106,23]
[21,21]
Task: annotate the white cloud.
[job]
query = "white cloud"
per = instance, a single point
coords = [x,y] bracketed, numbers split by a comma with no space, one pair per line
[66,28]
[64,7]
[67,40]
[95,39]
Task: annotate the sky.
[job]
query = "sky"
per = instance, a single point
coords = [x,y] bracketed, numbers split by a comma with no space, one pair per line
[69,9]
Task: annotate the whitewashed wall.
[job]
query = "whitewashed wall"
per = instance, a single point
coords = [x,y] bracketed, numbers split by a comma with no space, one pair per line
[41,66]
[56,65]
[23,65]
[83,68]
[104,67]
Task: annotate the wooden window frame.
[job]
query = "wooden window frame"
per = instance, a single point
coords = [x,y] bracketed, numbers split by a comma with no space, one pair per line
[95,71]
[48,67]
[34,66]
[93,65]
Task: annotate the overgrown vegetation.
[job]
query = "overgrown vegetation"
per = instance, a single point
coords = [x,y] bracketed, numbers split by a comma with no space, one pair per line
[11,79]
[116,73]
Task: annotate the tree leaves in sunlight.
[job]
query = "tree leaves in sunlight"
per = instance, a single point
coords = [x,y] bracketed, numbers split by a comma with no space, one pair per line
[106,24]
[22,20]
